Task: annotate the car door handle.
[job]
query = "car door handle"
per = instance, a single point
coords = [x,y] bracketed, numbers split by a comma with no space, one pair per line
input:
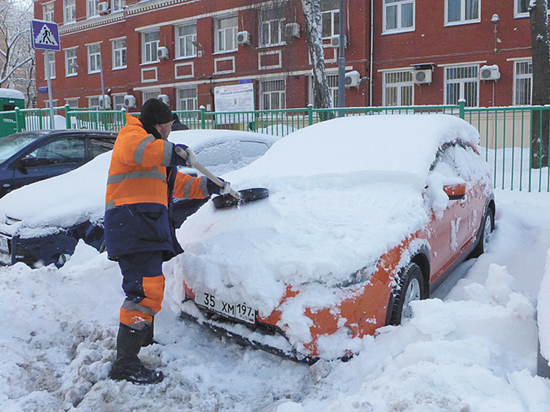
[6,185]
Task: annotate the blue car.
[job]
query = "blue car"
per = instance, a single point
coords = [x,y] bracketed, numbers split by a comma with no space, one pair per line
[28,157]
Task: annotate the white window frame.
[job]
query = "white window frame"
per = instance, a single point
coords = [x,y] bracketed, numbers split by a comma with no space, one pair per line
[517,9]
[187,99]
[463,19]
[149,45]
[48,11]
[463,83]
[71,62]
[117,5]
[272,27]
[149,94]
[226,37]
[332,15]
[118,101]
[273,91]
[523,77]
[400,82]
[52,64]
[73,103]
[91,8]
[94,58]
[399,6]
[119,53]
[93,102]
[185,43]
[69,11]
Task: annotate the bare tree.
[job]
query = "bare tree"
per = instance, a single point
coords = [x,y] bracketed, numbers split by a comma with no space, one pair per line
[16,52]
[538,11]
[321,92]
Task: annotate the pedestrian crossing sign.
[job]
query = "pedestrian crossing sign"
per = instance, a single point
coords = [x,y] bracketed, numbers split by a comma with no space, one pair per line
[45,35]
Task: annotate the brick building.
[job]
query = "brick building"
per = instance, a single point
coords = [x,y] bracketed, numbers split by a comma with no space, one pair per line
[420,52]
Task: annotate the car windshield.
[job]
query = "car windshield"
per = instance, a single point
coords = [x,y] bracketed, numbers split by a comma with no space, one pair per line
[9,145]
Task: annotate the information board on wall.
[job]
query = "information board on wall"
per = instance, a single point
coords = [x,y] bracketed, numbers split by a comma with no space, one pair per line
[231,99]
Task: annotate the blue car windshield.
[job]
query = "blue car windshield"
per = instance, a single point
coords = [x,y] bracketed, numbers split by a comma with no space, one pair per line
[9,145]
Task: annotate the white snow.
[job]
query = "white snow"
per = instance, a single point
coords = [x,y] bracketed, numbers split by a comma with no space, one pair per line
[471,347]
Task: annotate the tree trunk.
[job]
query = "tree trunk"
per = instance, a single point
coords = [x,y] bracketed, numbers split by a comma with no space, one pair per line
[321,92]
[541,83]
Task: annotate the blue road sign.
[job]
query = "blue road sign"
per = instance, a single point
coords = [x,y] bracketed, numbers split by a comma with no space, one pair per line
[45,35]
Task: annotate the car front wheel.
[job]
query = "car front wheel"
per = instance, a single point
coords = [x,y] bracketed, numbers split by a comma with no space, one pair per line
[486,230]
[409,289]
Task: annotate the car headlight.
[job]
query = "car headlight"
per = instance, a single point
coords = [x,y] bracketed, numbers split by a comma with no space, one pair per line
[360,276]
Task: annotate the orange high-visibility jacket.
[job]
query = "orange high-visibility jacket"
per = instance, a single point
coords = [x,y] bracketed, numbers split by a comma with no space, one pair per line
[139,191]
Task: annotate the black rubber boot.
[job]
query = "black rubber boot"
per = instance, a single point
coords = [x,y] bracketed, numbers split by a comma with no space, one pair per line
[149,339]
[127,365]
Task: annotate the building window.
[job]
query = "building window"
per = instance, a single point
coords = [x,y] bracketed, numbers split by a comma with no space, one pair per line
[119,53]
[521,8]
[117,5]
[150,47]
[93,102]
[150,95]
[226,34]
[186,37]
[462,83]
[523,82]
[118,102]
[398,88]
[51,55]
[330,18]
[47,10]
[187,99]
[73,103]
[273,95]
[398,15]
[272,23]
[69,11]
[94,58]
[462,11]
[91,8]
[71,67]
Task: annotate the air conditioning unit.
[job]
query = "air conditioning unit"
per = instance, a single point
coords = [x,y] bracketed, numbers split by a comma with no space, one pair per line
[164,98]
[489,72]
[243,37]
[335,41]
[129,101]
[105,102]
[292,30]
[353,79]
[103,7]
[163,53]
[422,76]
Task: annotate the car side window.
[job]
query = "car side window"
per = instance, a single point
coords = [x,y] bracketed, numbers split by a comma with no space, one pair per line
[68,150]
[252,150]
[99,146]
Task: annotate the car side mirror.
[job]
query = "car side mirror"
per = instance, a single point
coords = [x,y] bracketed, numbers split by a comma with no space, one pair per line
[20,165]
[456,191]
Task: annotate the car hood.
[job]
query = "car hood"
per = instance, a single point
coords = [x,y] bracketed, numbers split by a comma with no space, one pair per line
[341,195]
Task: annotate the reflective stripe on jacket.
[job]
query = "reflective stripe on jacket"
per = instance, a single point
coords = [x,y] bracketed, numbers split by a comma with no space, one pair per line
[139,194]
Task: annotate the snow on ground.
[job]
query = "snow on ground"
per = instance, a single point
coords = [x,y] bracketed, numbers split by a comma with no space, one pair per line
[470,348]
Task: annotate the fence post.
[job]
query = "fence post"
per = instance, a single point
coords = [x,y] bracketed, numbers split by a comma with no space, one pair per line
[203,117]
[461,111]
[19,120]
[310,114]
[67,118]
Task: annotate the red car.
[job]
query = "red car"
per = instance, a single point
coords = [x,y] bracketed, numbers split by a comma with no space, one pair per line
[365,215]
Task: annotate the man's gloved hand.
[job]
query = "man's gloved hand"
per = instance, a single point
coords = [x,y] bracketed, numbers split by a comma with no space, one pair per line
[214,189]
[191,160]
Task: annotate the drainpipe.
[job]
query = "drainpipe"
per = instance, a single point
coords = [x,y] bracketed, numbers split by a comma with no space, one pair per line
[371,51]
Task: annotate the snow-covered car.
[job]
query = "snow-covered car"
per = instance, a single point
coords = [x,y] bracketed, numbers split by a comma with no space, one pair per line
[29,157]
[365,215]
[44,221]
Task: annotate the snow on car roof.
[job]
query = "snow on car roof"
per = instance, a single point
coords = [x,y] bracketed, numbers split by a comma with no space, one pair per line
[342,193]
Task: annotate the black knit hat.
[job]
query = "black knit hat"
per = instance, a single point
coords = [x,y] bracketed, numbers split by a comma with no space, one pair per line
[155,112]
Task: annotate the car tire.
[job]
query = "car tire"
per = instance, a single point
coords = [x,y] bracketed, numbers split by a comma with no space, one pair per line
[484,234]
[410,288]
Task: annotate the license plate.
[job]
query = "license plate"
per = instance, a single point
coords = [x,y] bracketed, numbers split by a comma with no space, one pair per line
[239,311]
[4,244]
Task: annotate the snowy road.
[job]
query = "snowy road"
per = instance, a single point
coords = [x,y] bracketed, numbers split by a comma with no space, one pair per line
[471,348]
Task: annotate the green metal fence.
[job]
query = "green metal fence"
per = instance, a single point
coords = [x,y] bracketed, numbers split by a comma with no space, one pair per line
[514,139]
